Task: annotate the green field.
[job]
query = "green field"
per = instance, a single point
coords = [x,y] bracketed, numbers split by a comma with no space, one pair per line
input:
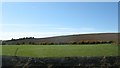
[61,50]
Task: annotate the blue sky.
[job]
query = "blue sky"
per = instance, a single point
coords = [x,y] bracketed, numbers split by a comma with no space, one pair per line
[45,19]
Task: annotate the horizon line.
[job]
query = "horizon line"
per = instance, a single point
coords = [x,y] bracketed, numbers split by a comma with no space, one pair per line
[68,35]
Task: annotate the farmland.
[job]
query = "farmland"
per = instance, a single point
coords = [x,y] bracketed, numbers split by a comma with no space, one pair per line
[61,50]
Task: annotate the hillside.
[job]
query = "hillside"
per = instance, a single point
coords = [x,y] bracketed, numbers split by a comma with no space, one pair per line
[67,39]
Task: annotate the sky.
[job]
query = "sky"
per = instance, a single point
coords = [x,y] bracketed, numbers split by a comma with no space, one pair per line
[60,0]
[46,19]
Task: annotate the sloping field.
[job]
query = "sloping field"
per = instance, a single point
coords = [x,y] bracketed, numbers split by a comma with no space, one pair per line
[68,38]
[61,50]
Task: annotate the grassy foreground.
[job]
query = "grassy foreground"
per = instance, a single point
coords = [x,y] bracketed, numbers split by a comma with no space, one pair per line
[61,50]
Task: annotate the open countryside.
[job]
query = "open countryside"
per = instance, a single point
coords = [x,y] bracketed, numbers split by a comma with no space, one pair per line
[60,35]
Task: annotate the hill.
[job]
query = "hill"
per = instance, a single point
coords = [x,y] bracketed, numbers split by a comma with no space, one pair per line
[66,39]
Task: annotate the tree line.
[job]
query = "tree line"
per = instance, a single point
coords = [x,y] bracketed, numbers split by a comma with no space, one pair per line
[61,43]
[22,38]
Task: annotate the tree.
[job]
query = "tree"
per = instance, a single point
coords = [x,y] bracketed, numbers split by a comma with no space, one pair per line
[86,42]
[74,43]
[51,43]
[82,42]
[111,42]
[30,42]
[17,43]
[33,43]
[23,42]
[12,39]
[3,43]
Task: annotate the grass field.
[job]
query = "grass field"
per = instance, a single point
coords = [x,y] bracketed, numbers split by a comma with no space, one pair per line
[61,50]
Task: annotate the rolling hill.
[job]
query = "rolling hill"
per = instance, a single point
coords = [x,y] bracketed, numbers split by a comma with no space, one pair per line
[67,39]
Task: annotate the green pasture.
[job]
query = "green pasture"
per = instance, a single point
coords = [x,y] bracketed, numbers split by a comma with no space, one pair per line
[61,50]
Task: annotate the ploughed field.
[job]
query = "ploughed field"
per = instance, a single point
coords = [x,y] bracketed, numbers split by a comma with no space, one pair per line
[60,50]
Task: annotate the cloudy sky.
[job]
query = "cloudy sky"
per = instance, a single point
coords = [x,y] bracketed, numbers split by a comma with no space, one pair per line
[45,19]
